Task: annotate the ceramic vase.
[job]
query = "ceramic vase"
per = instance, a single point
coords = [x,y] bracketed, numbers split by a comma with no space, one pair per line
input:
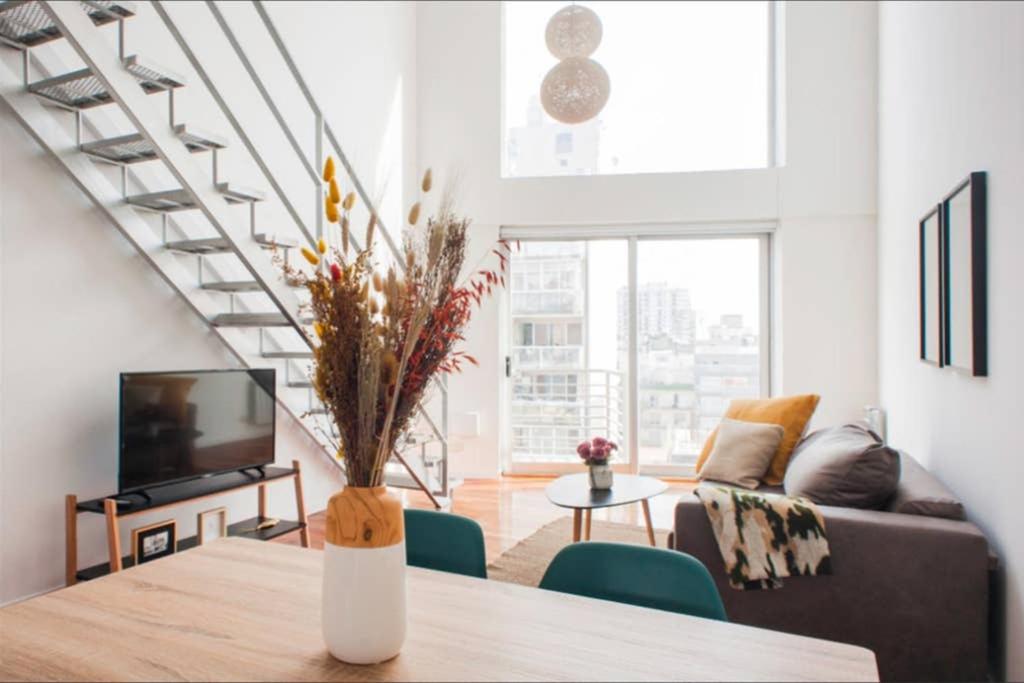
[601,477]
[364,617]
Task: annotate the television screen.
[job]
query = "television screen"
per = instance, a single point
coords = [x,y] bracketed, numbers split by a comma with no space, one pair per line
[183,425]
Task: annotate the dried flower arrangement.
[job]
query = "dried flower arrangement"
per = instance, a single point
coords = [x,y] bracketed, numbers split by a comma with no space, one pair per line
[381,337]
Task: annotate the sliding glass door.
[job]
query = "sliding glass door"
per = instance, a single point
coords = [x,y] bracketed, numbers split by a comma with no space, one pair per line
[644,340]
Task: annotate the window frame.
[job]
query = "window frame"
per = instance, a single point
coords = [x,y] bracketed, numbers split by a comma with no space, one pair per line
[775,139]
[633,235]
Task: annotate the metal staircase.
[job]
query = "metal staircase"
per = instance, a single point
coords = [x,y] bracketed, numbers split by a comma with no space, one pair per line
[223,269]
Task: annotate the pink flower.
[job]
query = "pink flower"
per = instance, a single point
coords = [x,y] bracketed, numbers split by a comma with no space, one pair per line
[599,442]
[583,450]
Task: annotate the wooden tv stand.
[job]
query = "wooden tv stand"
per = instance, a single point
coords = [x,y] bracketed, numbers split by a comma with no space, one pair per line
[173,495]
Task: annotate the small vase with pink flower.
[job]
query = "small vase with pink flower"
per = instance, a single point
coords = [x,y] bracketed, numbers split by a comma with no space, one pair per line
[595,454]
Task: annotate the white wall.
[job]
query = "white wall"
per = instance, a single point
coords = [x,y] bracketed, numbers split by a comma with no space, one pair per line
[77,305]
[823,199]
[950,102]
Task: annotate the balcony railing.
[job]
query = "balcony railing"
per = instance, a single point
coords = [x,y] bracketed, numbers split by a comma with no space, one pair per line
[553,410]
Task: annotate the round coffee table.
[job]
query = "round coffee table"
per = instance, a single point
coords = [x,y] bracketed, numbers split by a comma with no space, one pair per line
[573,491]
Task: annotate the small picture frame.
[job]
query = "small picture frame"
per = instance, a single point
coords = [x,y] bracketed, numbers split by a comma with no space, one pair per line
[154,541]
[965,277]
[931,344]
[211,524]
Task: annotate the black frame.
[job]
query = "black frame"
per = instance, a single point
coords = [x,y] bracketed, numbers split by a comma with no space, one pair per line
[940,324]
[975,183]
[140,535]
[271,388]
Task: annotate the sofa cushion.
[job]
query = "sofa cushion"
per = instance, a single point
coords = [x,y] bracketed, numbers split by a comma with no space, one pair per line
[845,466]
[791,412]
[742,452]
[920,493]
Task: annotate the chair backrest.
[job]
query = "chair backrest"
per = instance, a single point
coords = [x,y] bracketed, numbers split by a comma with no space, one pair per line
[637,575]
[446,542]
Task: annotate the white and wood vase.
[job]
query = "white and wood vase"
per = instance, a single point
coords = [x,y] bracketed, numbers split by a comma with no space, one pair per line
[601,476]
[364,617]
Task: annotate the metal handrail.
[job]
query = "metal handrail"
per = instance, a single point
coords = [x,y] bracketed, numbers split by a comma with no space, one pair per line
[235,124]
[323,129]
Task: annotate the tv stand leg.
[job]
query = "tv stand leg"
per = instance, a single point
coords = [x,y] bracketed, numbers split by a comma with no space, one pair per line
[300,505]
[70,540]
[263,502]
[113,538]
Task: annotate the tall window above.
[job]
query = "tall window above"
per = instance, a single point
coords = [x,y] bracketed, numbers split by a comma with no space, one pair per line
[691,90]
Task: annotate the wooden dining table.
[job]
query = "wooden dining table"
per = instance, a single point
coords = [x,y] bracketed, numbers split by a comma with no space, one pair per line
[237,609]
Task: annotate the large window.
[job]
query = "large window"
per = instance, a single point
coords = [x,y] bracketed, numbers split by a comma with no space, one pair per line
[691,90]
[696,307]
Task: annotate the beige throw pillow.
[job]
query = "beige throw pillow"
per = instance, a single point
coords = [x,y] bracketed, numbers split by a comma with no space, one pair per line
[742,452]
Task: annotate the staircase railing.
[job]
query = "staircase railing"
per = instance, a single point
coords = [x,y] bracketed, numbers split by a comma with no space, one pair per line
[111,77]
[323,132]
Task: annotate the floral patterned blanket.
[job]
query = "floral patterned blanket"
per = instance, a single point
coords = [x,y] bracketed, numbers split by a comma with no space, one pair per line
[765,537]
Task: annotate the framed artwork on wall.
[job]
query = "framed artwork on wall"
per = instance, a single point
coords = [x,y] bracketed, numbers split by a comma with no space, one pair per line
[965,277]
[930,287]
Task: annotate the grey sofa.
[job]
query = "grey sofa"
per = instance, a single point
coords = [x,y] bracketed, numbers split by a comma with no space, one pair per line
[911,588]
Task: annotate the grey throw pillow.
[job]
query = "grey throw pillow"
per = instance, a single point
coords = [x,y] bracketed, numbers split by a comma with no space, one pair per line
[920,493]
[742,452]
[845,466]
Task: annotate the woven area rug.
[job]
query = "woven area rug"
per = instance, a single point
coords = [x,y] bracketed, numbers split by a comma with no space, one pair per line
[526,562]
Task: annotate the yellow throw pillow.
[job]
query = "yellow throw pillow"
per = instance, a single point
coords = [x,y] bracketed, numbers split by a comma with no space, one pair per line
[792,413]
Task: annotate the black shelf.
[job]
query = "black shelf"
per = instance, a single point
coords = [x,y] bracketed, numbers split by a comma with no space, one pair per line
[241,529]
[172,494]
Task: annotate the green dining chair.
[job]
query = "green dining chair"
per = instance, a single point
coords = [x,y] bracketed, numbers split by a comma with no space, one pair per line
[636,575]
[445,542]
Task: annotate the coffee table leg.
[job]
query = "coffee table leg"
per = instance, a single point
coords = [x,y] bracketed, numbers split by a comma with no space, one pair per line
[586,525]
[647,518]
[576,519]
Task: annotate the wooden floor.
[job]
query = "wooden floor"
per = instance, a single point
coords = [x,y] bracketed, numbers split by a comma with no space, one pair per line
[511,508]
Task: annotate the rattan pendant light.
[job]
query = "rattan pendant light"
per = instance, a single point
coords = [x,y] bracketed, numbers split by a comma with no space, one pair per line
[577,88]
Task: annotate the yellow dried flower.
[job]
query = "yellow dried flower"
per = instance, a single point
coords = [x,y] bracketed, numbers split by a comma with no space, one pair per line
[328,169]
[340,455]
[350,201]
[414,214]
[374,307]
[334,192]
[410,259]
[321,245]
[378,283]
[369,230]
[332,210]
[308,254]
[428,181]
[318,327]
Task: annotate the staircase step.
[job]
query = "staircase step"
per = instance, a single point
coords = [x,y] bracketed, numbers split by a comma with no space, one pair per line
[232,286]
[253,320]
[131,149]
[300,384]
[180,200]
[26,23]
[250,320]
[288,355]
[82,90]
[219,245]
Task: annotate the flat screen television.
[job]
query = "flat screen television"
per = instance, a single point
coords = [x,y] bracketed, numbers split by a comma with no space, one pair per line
[176,426]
